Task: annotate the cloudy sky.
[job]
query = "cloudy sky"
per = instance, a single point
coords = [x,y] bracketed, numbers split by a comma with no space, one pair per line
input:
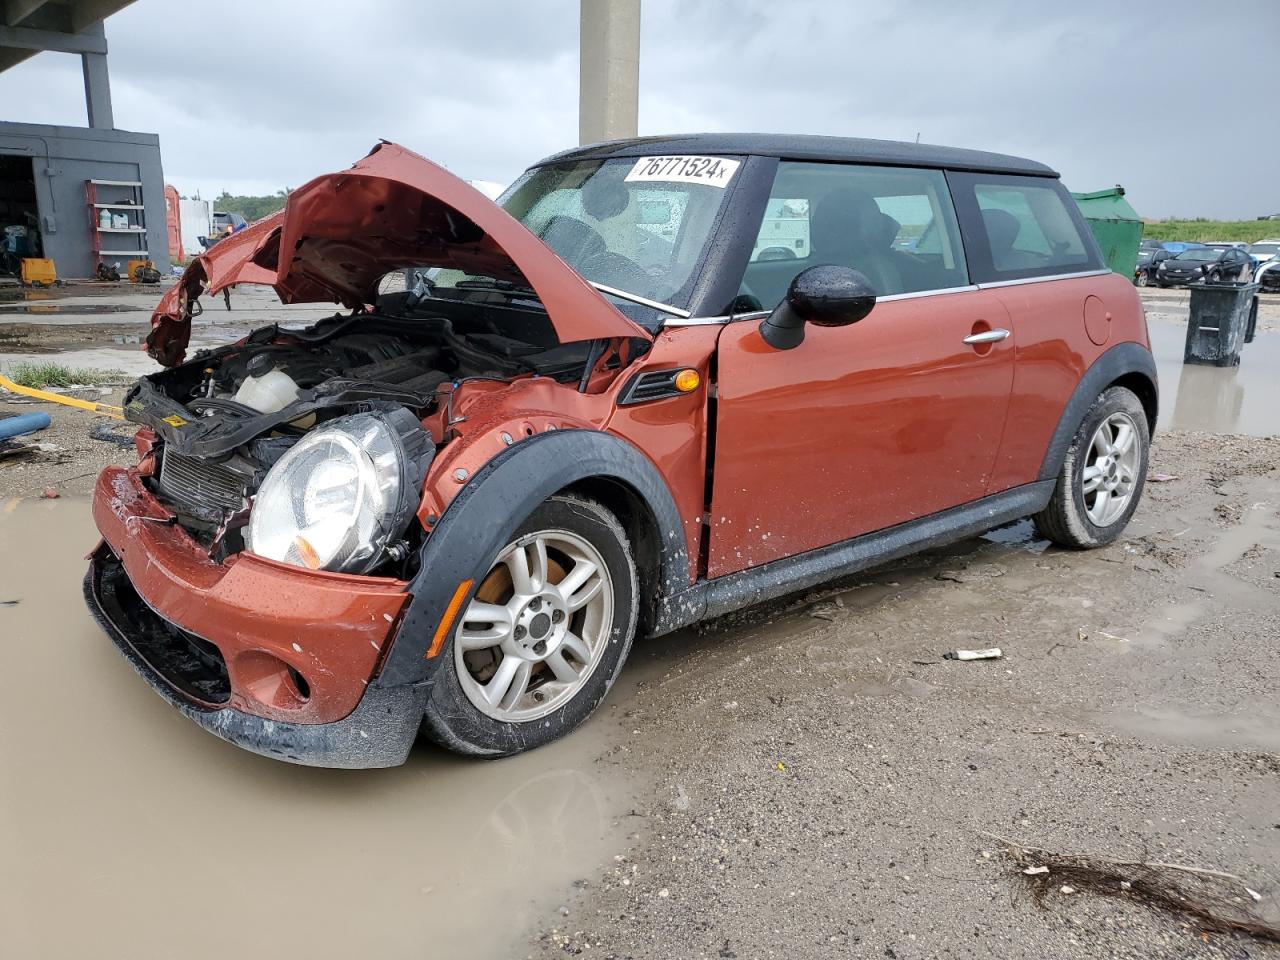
[255,96]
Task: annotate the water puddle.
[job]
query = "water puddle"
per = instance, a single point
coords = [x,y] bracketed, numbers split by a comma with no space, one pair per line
[59,308]
[1020,534]
[15,293]
[1241,399]
[1258,730]
[128,831]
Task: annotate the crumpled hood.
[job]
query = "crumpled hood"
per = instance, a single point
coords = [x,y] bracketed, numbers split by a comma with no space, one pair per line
[338,235]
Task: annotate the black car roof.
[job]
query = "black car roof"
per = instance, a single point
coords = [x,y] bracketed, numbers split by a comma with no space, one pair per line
[802,147]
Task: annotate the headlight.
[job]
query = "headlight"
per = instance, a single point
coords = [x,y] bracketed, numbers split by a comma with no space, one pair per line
[343,494]
[1162,266]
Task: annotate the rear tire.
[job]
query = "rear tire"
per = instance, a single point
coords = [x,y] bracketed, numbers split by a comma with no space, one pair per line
[529,662]
[1102,474]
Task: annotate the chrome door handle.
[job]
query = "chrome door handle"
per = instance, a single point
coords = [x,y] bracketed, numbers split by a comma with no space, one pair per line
[987,336]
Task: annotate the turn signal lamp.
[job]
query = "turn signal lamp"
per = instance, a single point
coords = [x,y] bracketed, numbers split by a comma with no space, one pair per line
[688,381]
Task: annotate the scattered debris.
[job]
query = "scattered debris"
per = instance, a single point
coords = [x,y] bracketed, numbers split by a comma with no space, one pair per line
[975,573]
[1161,477]
[49,494]
[824,611]
[992,653]
[9,603]
[1112,636]
[1212,897]
[105,432]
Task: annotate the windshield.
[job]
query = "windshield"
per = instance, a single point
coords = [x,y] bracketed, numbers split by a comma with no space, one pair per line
[636,225]
[1198,253]
[1264,249]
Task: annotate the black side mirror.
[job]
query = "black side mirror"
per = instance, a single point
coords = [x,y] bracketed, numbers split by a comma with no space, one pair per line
[827,296]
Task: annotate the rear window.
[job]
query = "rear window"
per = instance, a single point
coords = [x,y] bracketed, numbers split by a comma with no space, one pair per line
[1022,228]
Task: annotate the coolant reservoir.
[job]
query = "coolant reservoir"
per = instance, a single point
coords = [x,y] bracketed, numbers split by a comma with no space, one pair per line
[268,393]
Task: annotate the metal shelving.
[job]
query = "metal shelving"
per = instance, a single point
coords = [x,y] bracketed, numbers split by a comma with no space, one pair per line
[130,206]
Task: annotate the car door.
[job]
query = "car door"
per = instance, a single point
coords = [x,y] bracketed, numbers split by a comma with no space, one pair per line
[860,427]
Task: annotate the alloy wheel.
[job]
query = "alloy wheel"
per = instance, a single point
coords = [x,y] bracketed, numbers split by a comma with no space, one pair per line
[536,628]
[1110,475]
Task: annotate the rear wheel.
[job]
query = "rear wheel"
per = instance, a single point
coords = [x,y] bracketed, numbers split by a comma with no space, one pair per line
[1102,475]
[544,637]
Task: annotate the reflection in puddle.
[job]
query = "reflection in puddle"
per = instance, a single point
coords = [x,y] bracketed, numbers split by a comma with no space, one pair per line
[161,840]
[77,308]
[1241,399]
[12,294]
[1020,534]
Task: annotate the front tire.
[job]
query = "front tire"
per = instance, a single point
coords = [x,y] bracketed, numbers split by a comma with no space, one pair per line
[542,639]
[1102,475]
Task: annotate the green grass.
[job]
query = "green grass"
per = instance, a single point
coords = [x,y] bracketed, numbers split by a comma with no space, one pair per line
[1203,231]
[41,375]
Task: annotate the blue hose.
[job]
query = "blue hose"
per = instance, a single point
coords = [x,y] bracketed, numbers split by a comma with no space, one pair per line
[23,423]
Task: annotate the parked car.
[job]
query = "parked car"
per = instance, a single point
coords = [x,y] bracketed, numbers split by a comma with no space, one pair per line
[452,508]
[1263,250]
[1204,263]
[224,225]
[1149,260]
[1268,276]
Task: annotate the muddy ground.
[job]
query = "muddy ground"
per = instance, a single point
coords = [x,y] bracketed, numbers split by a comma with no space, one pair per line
[821,780]
[809,779]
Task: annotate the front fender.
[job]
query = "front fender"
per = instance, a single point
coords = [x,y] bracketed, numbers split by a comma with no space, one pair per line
[481,519]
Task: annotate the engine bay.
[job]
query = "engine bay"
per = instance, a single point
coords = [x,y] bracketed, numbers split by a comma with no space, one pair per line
[225,417]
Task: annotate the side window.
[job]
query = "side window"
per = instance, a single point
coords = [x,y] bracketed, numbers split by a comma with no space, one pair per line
[895,225]
[1022,227]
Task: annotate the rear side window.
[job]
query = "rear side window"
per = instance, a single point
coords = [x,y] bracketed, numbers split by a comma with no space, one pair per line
[1021,228]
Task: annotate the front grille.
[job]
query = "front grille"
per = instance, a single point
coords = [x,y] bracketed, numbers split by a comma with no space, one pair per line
[191,665]
[199,486]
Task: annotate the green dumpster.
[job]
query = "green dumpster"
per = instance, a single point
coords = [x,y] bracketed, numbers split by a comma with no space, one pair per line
[1115,225]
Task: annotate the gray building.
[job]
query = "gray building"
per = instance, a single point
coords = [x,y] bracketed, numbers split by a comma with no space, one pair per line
[77,195]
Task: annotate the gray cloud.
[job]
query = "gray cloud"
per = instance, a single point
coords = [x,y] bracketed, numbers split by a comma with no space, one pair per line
[257,96]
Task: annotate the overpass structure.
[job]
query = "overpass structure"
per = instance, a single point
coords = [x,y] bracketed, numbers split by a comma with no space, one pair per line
[77,194]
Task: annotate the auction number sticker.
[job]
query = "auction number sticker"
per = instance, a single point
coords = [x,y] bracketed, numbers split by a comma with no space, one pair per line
[713,171]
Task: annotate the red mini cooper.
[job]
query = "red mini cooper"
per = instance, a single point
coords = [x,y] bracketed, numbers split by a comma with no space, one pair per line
[658,380]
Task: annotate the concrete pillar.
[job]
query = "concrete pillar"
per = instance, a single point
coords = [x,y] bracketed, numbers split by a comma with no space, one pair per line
[97,84]
[609,77]
[97,90]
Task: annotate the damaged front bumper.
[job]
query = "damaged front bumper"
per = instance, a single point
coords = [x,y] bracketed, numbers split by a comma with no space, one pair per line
[279,661]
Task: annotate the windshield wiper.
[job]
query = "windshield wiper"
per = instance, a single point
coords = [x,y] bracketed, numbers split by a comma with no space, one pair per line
[642,301]
[498,286]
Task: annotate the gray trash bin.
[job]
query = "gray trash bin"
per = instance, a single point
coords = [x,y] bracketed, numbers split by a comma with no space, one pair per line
[1223,316]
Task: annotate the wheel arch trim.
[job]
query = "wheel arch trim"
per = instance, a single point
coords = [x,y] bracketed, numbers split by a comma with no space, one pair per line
[486,512]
